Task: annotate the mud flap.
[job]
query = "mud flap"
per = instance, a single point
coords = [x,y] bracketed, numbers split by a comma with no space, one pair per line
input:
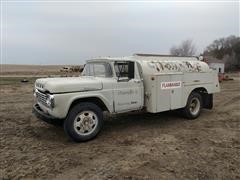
[207,101]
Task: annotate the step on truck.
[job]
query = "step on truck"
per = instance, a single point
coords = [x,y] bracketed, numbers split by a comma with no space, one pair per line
[148,82]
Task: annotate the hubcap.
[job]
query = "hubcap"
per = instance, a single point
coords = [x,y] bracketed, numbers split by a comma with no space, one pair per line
[194,106]
[85,123]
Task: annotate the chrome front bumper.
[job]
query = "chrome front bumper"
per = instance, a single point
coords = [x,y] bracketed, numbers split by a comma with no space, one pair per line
[40,114]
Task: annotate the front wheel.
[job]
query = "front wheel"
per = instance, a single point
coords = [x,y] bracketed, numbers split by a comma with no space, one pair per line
[194,106]
[83,122]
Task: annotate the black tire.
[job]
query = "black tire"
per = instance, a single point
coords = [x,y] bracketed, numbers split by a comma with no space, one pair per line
[75,116]
[188,112]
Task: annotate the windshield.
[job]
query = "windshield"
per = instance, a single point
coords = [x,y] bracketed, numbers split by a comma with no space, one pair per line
[97,69]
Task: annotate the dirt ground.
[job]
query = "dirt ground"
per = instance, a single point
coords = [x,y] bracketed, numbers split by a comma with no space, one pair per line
[132,146]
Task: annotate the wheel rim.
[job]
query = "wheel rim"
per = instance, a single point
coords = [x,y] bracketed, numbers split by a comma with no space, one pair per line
[85,123]
[195,106]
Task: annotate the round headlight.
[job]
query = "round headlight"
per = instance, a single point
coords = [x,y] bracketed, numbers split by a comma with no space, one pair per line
[50,100]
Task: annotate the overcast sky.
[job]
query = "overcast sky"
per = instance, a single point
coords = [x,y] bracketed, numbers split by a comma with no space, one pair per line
[71,32]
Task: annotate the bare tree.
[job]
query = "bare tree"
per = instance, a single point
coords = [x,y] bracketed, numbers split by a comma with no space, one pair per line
[186,48]
[226,49]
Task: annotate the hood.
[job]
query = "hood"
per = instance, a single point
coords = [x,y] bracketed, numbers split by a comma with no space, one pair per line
[68,84]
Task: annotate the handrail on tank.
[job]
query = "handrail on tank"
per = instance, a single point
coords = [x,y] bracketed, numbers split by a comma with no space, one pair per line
[161,55]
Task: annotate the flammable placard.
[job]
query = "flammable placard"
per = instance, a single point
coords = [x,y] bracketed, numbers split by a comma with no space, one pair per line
[171,85]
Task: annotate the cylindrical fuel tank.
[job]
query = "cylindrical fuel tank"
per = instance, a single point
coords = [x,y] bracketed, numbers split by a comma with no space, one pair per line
[153,65]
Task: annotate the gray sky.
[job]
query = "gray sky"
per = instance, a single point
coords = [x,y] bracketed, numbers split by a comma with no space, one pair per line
[71,32]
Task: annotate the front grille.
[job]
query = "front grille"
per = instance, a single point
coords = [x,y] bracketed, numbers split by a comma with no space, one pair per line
[39,85]
[41,97]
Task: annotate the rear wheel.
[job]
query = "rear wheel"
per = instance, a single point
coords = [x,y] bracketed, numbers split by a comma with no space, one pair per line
[84,122]
[194,106]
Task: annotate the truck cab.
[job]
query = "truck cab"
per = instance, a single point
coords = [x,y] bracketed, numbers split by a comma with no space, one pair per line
[152,83]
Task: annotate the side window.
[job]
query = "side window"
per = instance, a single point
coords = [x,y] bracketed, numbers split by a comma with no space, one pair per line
[124,70]
[121,69]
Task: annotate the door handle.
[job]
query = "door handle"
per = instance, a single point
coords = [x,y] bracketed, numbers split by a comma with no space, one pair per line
[137,81]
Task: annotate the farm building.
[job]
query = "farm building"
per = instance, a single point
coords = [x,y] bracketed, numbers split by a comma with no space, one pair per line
[215,64]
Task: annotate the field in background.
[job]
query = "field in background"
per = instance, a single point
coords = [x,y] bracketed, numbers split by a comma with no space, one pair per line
[130,146]
[33,70]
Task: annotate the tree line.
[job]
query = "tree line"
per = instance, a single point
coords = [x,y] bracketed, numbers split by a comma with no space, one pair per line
[226,50]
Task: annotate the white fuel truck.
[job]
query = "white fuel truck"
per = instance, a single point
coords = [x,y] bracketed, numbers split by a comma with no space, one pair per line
[154,83]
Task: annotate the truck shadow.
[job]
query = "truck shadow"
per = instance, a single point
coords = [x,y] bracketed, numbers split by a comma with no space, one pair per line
[121,123]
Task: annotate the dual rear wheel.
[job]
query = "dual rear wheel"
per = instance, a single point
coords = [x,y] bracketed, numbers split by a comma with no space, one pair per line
[194,105]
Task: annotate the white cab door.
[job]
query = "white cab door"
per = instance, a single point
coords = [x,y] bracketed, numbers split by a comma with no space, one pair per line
[128,88]
[128,95]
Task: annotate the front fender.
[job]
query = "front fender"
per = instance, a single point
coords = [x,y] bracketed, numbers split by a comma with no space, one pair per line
[107,102]
[63,102]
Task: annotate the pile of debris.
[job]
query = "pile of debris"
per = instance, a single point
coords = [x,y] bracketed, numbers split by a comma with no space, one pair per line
[71,69]
[223,77]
